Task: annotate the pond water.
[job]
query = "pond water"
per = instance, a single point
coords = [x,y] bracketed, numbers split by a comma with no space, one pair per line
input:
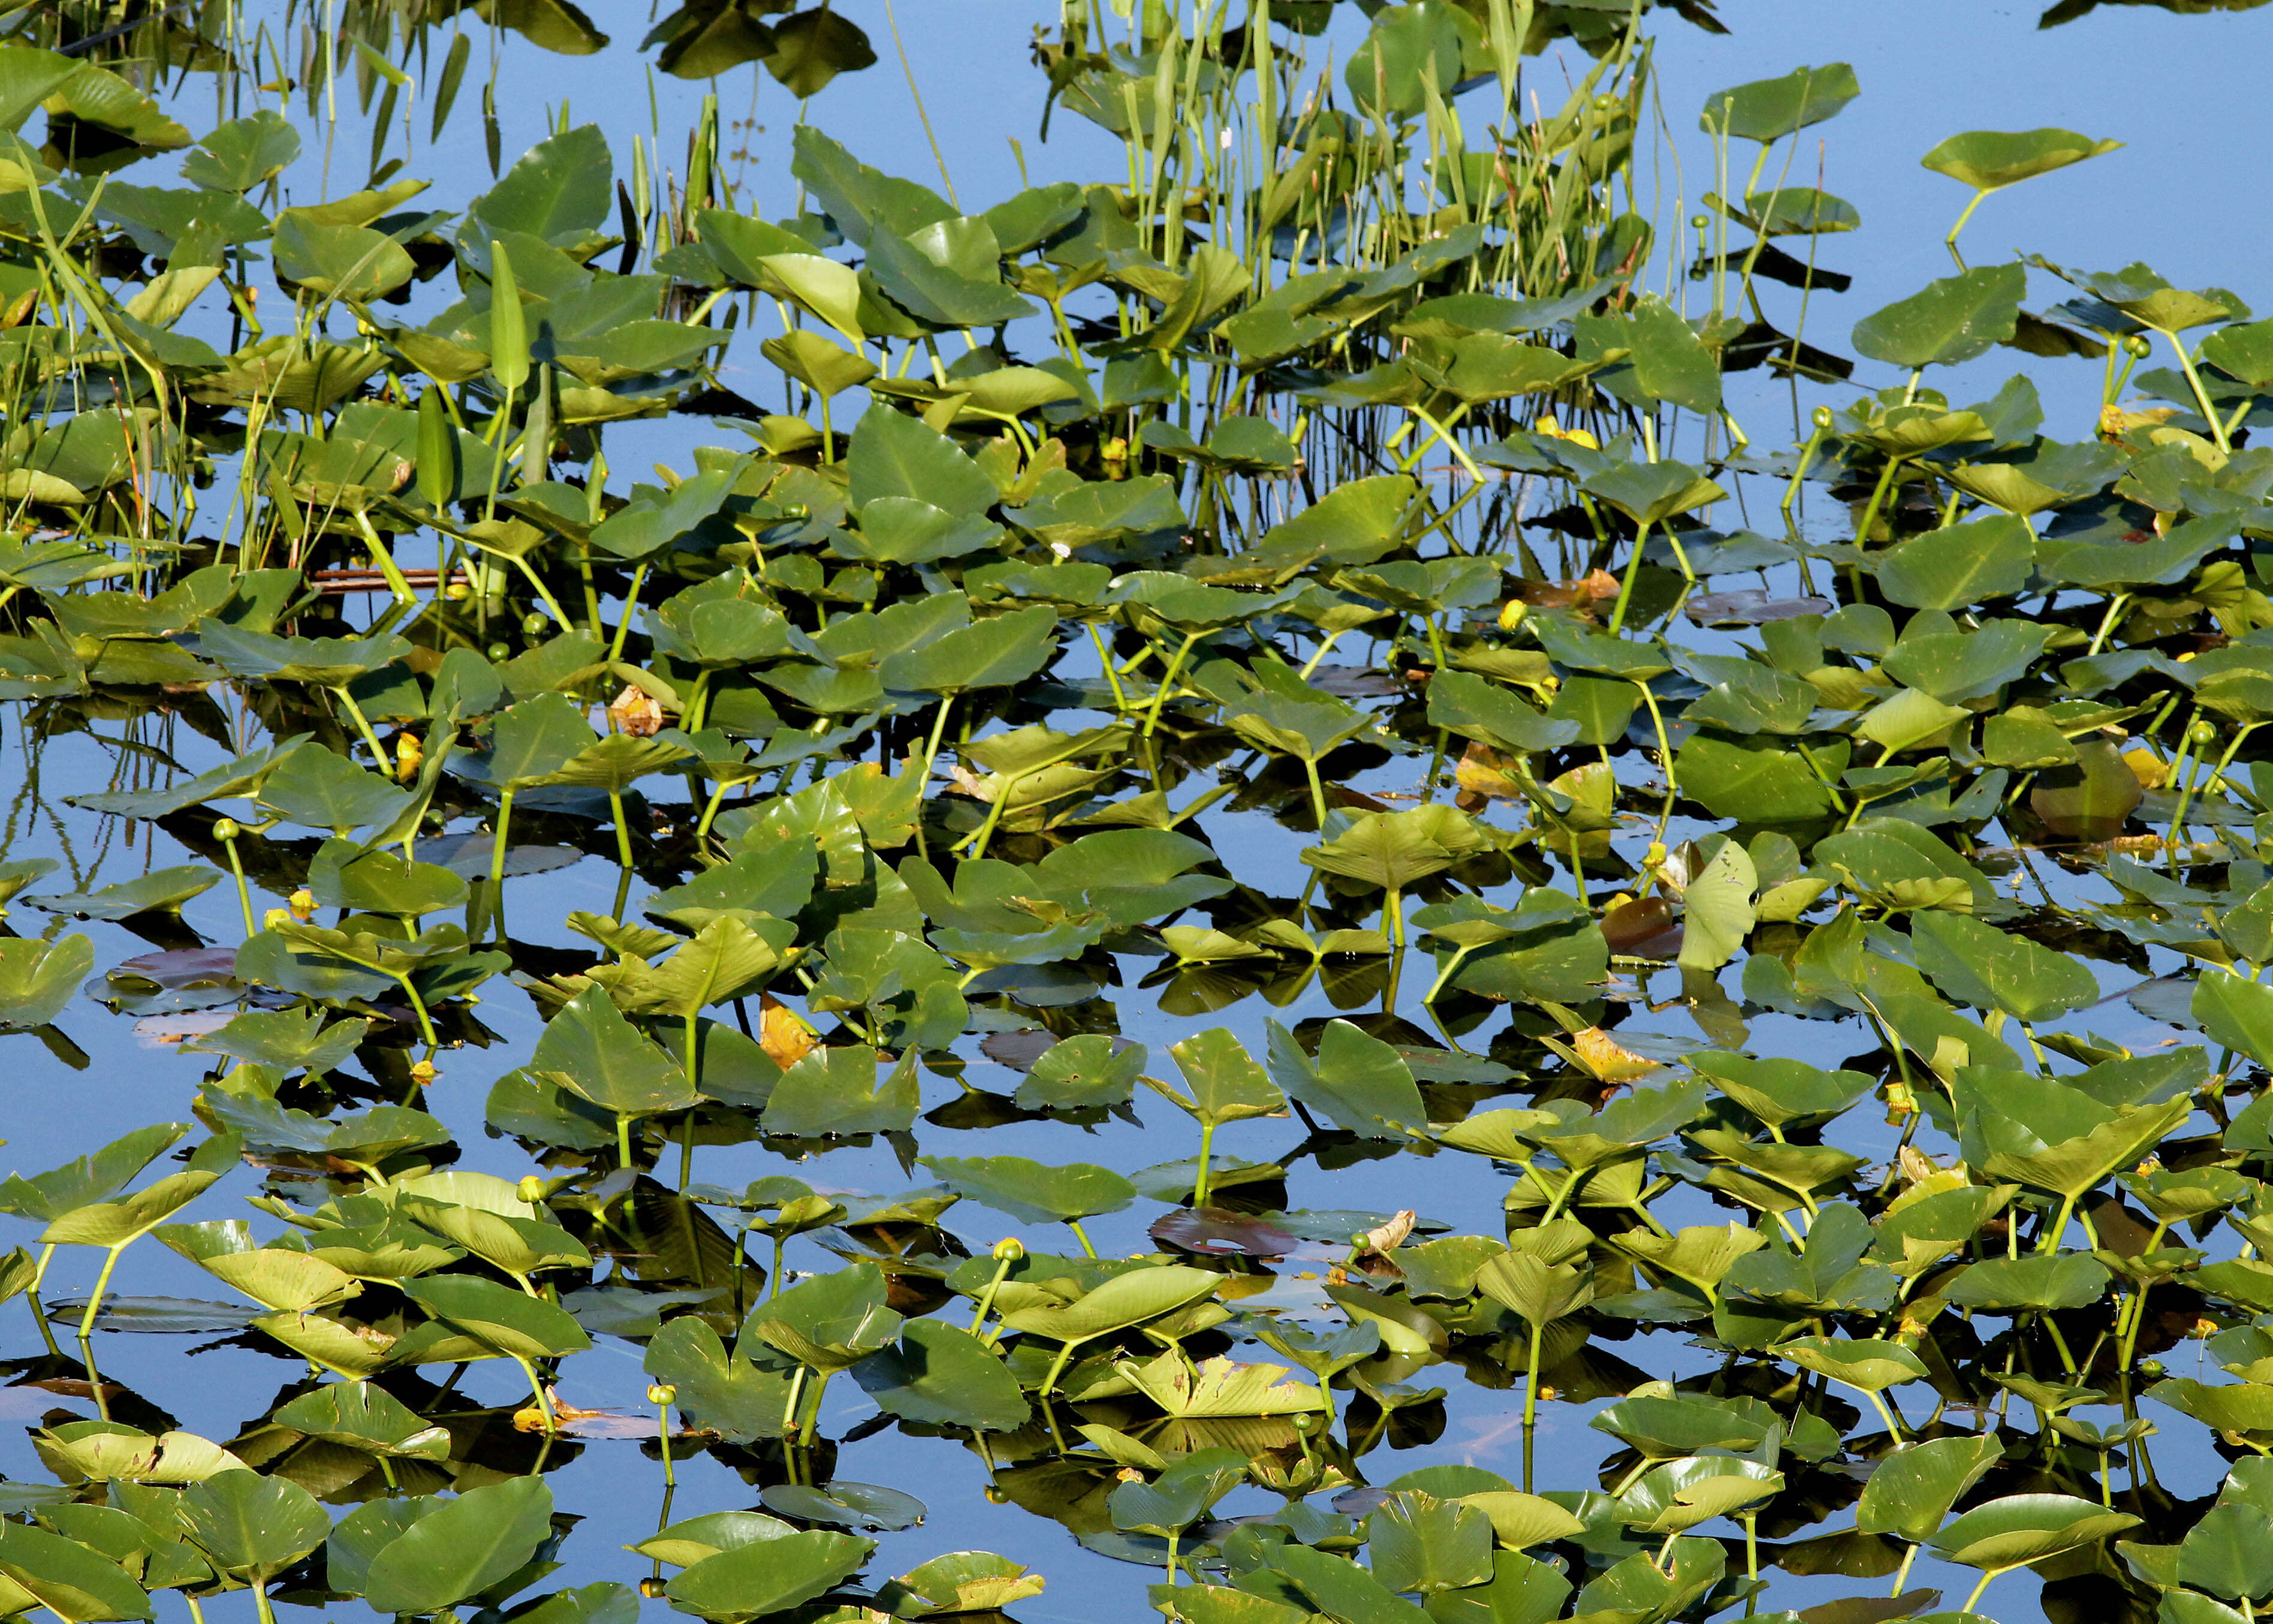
[1815,1081]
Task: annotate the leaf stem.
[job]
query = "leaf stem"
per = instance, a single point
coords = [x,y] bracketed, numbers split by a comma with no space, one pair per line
[102,1283]
[362,728]
[1530,1403]
[243,891]
[1626,586]
[497,862]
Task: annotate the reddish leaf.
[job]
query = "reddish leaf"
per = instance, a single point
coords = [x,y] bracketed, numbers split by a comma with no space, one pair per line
[1643,929]
[1753,607]
[1213,1232]
[185,967]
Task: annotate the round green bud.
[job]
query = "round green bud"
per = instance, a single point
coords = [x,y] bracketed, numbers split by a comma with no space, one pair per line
[534,624]
[651,1588]
[1823,418]
[2138,344]
[661,1393]
[1698,222]
[2203,733]
[498,652]
[226,829]
[1010,1249]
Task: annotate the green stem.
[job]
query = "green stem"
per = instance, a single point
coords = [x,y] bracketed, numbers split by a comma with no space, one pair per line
[623,1138]
[987,1297]
[1444,975]
[711,807]
[1626,586]
[1082,1235]
[102,1283]
[362,728]
[978,839]
[1894,1427]
[497,862]
[1752,1520]
[418,1008]
[623,833]
[1207,1152]
[789,1406]
[2067,1359]
[697,709]
[1057,1368]
[243,891]
[2186,790]
[1986,1575]
[1665,750]
[1878,496]
[1105,664]
[1169,681]
[1530,1403]
[2051,1238]
[2115,607]
[1950,242]
[1903,1574]
[631,607]
[812,1424]
[1570,1183]
[938,728]
[39,1309]
[1317,795]
[396,583]
[536,1387]
[2201,395]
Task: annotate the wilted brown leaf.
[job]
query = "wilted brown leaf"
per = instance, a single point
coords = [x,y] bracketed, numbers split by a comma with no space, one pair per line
[782,1033]
[636,712]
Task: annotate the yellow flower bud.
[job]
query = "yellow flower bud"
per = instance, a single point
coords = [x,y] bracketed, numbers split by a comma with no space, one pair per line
[302,904]
[1008,1250]
[226,829]
[531,1189]
[661,1393]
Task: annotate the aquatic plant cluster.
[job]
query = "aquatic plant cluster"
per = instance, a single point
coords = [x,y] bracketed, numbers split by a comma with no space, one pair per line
[1332,485]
